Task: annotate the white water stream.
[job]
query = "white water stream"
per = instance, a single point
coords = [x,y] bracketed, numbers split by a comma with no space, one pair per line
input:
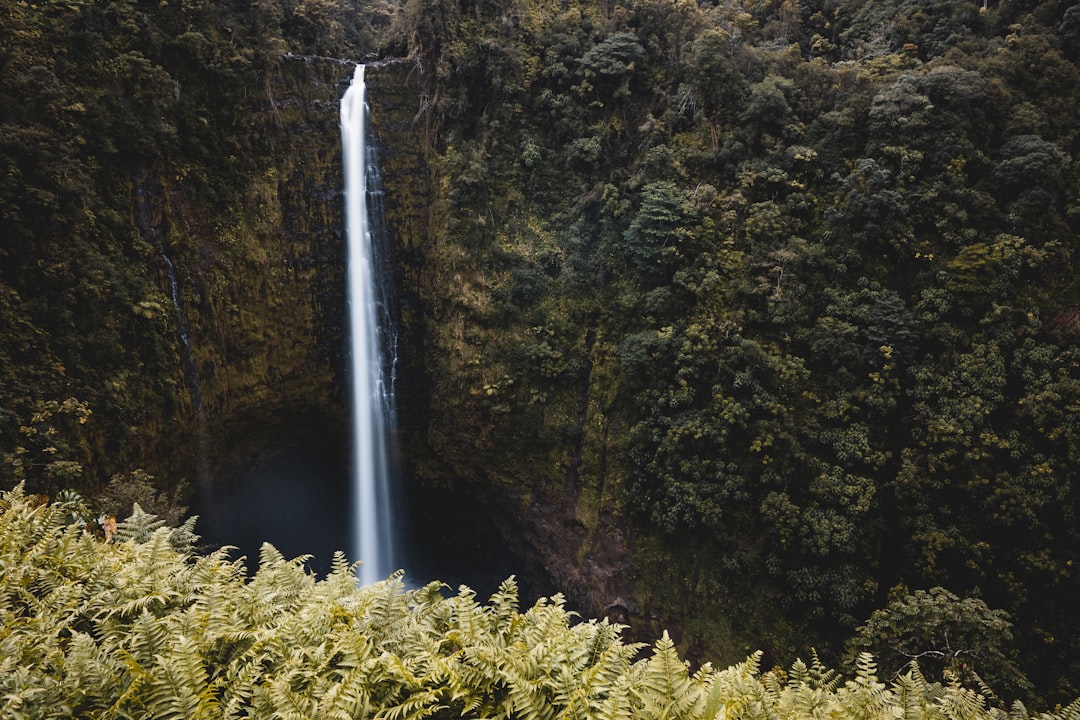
[372,398]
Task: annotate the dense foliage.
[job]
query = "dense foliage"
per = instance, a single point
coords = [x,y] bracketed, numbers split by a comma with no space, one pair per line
[784,292]
[793,284]
[140,627]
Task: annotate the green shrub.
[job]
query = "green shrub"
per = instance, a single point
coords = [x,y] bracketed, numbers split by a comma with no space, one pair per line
[129,629]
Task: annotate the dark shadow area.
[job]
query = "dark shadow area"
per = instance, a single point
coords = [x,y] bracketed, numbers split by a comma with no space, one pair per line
[293,493]
[449,536]
[288,482]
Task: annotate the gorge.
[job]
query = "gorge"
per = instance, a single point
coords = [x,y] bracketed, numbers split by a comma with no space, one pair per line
[745,321]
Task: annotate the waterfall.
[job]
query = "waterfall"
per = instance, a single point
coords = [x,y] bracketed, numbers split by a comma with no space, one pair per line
[191,373]
[181,326]
[149,229]
[372,394]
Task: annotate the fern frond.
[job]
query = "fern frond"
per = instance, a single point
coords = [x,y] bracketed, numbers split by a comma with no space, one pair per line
[913,698]
[712,703]
[285,703]
[1069,712]
[1017,711]
[149,637]
[666,683]
[184,538]
[344,693]
[238,685]
[799,674]
[959,703]
[504,606]
[418,705]
[384,603]
[179,687]
[864,697]
[865,670]
[530,691]
[276,589]
[341,580]
[89,674]
[825,678]
[139,526]
[469,617]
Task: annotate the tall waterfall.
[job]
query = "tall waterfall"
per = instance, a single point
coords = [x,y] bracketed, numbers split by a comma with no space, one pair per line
[372,389]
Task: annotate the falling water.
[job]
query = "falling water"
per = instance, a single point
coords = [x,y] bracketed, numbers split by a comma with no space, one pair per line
[191,374]
[185,340]
[372,396]
[144,202]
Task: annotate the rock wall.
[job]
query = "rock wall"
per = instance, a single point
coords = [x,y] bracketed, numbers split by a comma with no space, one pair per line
[261,285]
[486,495]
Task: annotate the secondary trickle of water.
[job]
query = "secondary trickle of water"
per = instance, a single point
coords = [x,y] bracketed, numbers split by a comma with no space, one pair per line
[372,396]
[191,374]
[143,203]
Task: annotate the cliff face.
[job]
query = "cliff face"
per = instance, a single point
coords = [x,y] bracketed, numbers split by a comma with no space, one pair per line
[262,292]
[488,491]
[172,300]
[261,285]
[471,515]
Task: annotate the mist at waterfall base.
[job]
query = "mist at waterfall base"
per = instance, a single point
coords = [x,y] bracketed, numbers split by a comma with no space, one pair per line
[296,495]
[290,494]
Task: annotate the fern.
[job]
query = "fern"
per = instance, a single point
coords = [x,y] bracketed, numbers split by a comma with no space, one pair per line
[960,703]
[530,693]
[276,589]
[149,579]
[343,694]
[144,629]
[822,677]
[139,526]
[619,703]
[86,665]
[469,618]
[592,672]
[864,697]
[743,694]
[184,538]
[665,685]
[179,687]
[1069,712]
[504,608]
[915,698]
[238,682]
[149,637]
[418,705]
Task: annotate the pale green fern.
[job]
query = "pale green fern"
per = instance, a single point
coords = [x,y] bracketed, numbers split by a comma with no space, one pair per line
[143,628]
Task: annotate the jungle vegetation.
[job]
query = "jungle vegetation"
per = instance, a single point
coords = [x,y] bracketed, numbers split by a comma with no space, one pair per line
[788,288]
[793,285]
[139,626]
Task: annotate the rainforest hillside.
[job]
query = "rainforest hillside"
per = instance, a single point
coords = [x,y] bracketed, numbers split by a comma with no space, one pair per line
[743,319]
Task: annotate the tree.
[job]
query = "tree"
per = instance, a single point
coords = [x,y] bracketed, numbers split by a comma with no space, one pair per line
[942,633]
[608,66]
[655,234]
